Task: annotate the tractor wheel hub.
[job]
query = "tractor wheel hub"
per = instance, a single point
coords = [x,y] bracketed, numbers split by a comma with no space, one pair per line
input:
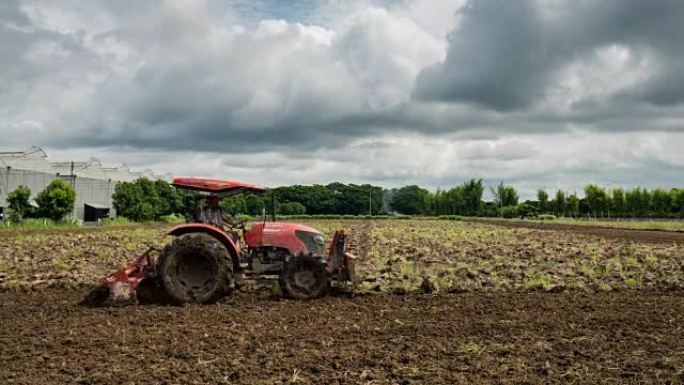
[304,278]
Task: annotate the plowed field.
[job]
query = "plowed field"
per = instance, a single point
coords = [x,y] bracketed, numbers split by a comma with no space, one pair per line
[531,338]
[509,305]
[635,235]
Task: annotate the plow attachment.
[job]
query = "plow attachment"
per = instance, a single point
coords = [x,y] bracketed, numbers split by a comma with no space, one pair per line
[341,263]
[135,283]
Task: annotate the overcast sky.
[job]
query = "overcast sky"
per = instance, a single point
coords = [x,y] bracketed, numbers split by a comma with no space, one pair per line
[537,93]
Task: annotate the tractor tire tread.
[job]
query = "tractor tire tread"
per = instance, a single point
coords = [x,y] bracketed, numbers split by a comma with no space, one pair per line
[207,247]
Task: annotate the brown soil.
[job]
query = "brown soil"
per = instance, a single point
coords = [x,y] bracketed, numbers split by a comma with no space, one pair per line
[472,338]
[645,236]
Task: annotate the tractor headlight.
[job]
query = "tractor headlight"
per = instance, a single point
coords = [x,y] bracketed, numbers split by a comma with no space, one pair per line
[315,243]
[319,240]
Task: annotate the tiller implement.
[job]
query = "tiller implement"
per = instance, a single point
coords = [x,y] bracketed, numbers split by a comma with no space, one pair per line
[204,261]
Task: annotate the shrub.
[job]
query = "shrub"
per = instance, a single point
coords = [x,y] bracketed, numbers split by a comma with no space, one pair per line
[528,210]
[56,201]
[136,200]
[172,219]
[292,208]
[18,206]
[42,223]
[247,218]
[115,221]
[450,217]
[510,211]
[546,217]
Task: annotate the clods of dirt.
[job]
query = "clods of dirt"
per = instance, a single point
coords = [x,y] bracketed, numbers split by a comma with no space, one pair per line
[501,338]
[644,236]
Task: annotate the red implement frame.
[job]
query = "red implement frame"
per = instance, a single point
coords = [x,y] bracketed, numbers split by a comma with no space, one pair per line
[122,285]
[341,262]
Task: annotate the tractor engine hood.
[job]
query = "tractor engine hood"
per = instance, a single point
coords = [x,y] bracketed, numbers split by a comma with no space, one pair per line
[291,236]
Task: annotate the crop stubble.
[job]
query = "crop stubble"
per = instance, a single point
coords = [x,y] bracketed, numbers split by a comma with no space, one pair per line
[500,329]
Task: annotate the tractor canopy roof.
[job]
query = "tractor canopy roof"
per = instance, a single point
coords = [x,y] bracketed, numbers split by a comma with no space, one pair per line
[214,186]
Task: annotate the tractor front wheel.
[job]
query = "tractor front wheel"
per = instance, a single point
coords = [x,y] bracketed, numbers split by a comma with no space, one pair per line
[195,268]
[304,277]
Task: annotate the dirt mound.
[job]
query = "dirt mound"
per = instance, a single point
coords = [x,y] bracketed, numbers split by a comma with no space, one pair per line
[474,338]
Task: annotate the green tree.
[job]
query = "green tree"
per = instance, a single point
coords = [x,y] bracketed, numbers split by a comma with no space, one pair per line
[318,199]
[597,201]
[573,205]
[354,199]
[543,199]
[472,196]
[170,200]
[150,195]
[638,202]
[455,201]
[439,203]
[292,208]
[661,203]
[560,203]
[528,209]
[18,204]
[254,204]
[504,195]
[490,209]
[410,200]
[334,198]
[618,204]
[677,202]
[234,205]
[56,201]
[130,200]
[510,211]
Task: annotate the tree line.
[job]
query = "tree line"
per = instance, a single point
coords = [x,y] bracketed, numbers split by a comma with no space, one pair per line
[597,202]
[465,199]
[146,200]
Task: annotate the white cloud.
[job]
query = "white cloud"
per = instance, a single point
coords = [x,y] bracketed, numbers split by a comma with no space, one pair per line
[200,88]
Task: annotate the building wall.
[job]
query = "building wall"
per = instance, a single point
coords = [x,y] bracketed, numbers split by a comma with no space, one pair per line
[90,190]
[10,179]
[93,183]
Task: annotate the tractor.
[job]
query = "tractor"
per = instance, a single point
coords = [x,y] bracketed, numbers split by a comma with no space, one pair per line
[205,261]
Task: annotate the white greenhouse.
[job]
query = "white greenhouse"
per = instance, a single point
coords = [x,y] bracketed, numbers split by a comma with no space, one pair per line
[94,183]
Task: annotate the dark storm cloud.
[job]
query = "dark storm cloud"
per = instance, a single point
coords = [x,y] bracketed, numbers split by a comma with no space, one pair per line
[496,58]
[526,90]
[274,85]
[192,77]
[505,54]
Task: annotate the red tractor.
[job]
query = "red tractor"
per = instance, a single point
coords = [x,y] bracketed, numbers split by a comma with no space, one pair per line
[206,261]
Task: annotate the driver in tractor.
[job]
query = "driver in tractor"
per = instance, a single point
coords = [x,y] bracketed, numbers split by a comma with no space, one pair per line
[214,215]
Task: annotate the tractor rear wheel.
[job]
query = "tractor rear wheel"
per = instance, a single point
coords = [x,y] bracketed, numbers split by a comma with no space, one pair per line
[304,277]
[195,268]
